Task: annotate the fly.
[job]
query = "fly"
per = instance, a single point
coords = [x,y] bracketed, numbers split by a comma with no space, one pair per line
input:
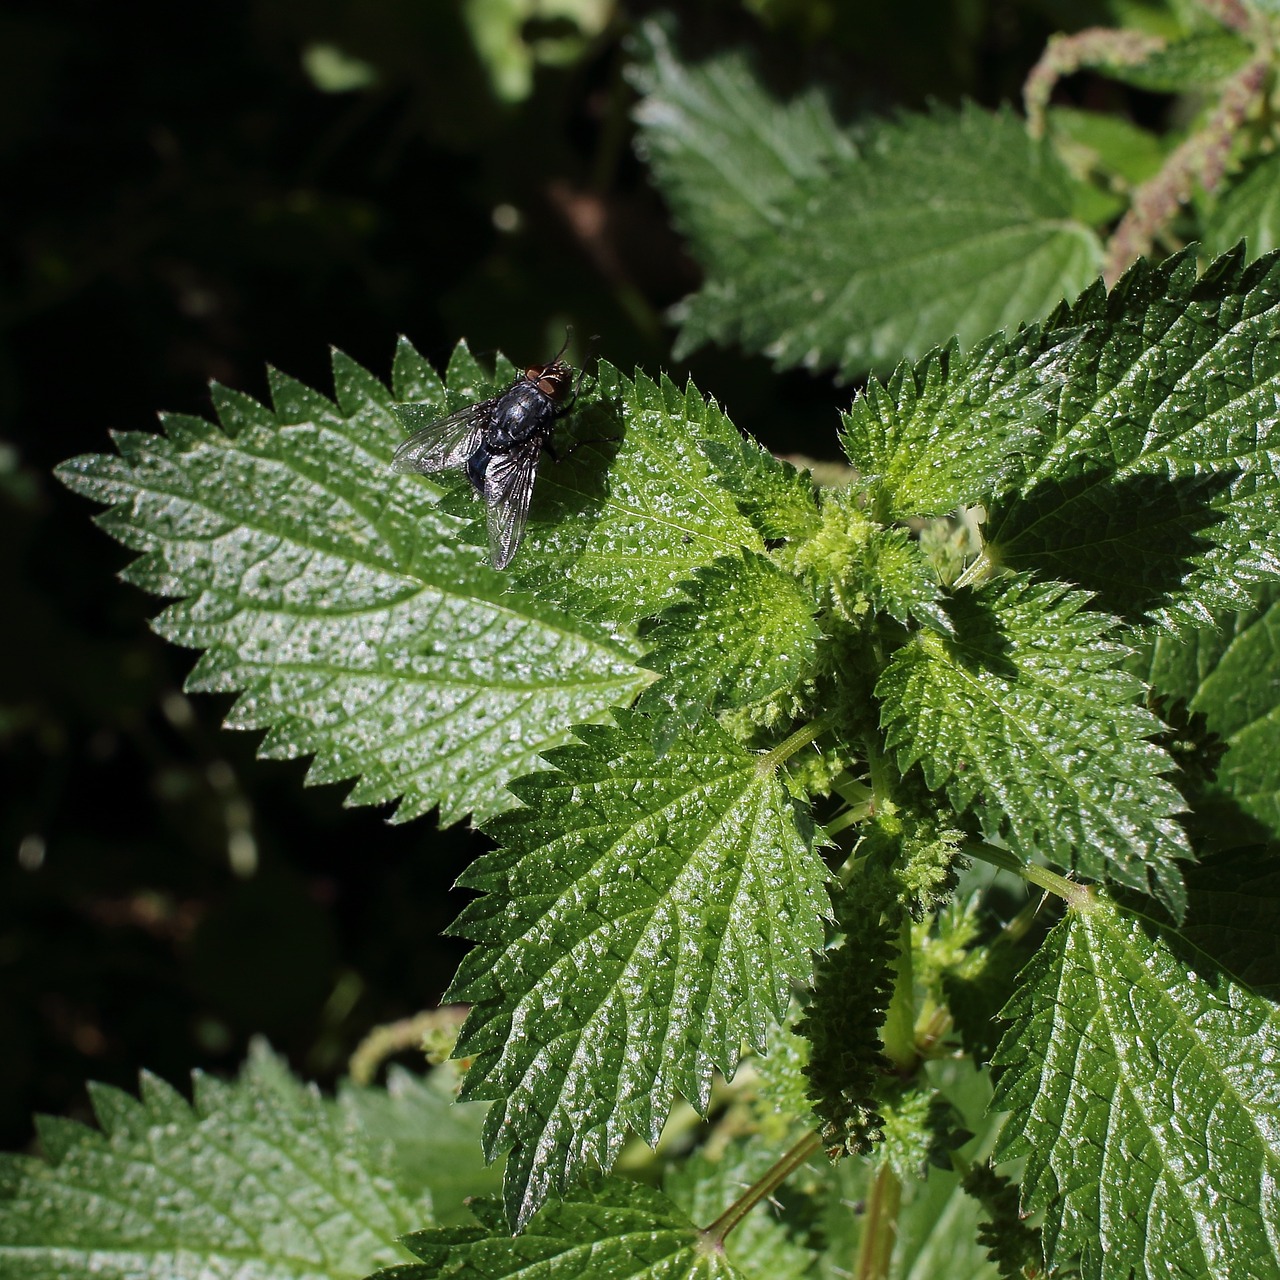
[498,443]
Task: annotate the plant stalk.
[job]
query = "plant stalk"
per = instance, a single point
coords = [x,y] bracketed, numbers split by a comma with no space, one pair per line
[899,1031]
[712,1238]
[1079,896]
[790,745]
[880,1230]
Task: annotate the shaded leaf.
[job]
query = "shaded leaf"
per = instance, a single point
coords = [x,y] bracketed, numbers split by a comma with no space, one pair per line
[261,1177]
[1160,487]
[1249,210]
[433,1143]
[830,248]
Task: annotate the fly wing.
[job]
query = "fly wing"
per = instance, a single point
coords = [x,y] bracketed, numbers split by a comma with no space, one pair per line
[508,486]
[443,443]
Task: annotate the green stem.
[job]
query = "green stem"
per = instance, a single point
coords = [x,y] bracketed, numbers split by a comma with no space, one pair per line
[850,817]
[790,745]
[899,1031]
[978,570]
[712,1238]
[880,1226]
[881,775]
[1079,896]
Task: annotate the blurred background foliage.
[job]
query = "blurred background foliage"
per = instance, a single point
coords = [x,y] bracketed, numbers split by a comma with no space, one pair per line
[192,192]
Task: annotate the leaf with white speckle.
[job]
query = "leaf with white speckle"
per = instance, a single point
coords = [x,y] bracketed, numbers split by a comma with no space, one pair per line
[338,599]
[642,918]
[1143,1089]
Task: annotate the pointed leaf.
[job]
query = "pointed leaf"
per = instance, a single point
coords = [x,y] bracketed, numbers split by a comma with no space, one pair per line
[775,496]
[1027,714]
[1160,486]
[260,1177]
[1228,674]
[643,918]
[615,1229]
[952,431]
[338,598]
[746,635]
[618,538]
[827,248]
[1143,1091]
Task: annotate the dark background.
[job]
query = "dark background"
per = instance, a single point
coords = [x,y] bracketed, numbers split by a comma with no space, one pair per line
[181,202]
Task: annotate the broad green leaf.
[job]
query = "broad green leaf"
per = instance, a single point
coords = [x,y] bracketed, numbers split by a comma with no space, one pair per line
[1144,1095]
[1228,674]
[433,1144]
[745,635]
[1027,714]
[953,430]
[261,1177]
[1160,487]
[1249,210]
[830,249]
[338,598]
[617,1229]
[635,513]
[727,155]
[642,919]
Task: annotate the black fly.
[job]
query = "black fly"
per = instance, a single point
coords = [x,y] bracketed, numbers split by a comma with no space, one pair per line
[498,443]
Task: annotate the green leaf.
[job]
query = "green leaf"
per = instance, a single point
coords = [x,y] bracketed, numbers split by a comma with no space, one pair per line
[746,635]
[616,1229]
[775,496]
[1227,674]
[618,544]
[1100,140]
[1198,61]
[953,430]
[1234,906]
[339,599]
[434,1144]
[643,917]
[1248,210]
[830,249]
[1160,487]
[1142,1085]
[1027,715]
[259,1177]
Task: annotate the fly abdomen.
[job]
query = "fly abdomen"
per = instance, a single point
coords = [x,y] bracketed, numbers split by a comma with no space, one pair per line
[477,465]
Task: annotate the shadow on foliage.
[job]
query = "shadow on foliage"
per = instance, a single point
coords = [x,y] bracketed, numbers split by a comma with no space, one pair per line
[1132,542]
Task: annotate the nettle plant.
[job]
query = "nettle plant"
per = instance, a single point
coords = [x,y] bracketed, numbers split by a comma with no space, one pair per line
[915,829]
